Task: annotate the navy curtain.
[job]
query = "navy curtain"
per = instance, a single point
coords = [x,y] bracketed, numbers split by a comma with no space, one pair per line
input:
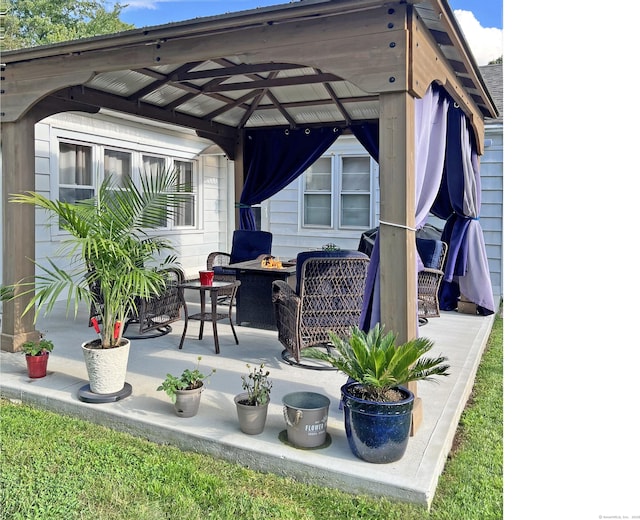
[274,158]
[368,135]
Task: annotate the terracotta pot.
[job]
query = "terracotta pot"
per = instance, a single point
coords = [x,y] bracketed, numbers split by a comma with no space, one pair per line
[37,365]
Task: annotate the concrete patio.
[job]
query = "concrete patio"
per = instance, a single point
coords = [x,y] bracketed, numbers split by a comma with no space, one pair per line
[149,414]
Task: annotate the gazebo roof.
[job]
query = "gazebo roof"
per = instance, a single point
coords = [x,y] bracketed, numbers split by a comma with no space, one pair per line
[305,63]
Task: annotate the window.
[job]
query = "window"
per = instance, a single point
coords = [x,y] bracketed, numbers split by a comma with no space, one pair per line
[152,166]
[82,166]
[117,165]
[76,172]
[337,193]
[317,194]
[355,196]
[186,215]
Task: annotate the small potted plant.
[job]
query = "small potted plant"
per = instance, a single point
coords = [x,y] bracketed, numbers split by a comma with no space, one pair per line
[377,405]
[253,404]
[185,391]
[37,356]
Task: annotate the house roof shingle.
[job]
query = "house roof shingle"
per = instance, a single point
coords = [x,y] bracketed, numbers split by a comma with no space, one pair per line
[492,75]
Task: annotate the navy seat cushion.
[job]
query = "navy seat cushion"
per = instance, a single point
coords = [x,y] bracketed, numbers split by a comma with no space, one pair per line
[220,270]
[249,245]
[429,251]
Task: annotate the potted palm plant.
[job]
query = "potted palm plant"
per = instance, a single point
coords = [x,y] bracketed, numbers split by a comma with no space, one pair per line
[110,262]
[36,354]
[377,405]
[185,391]
[252,405]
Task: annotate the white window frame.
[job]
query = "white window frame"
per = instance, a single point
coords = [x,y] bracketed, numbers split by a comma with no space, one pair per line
[99,144]
[337,192]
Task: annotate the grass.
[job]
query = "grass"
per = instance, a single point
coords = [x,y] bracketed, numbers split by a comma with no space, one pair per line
[56,467]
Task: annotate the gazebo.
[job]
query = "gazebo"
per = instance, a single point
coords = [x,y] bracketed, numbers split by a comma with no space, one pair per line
[313,67]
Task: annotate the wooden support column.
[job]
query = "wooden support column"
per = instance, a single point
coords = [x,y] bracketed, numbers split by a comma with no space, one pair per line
[238,166]
[18,230]
[398,304]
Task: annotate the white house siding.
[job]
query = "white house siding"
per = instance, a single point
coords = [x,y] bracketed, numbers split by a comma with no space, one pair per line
[214,175]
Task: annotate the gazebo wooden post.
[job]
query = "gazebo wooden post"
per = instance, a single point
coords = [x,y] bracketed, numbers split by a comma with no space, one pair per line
[18,228]
[398,308]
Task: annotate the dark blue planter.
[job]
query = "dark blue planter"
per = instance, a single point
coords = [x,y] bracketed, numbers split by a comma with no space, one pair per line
[377,432]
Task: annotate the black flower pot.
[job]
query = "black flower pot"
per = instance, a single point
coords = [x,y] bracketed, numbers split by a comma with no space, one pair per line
[377,432]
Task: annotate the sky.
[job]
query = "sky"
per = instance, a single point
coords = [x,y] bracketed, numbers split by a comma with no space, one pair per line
[480,20]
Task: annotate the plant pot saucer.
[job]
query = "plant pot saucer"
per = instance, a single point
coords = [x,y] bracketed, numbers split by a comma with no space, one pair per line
[86,395]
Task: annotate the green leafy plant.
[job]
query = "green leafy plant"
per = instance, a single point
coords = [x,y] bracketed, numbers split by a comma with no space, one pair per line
[37,348]
[257,385]
[189,380]
[375,361]
[6,293]
[111,260]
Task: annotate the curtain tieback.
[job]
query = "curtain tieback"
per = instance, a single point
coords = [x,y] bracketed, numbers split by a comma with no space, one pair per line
[397,225]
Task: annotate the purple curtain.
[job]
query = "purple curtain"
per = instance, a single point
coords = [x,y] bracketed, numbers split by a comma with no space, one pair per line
[459,199]
[430,139]
[274,158]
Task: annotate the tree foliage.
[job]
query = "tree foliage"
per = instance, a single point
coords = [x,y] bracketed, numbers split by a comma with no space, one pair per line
[497,61]
[28,23]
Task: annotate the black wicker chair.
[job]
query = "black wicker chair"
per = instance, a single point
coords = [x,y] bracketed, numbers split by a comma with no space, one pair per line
[433,254]
[328,297]
[154,316]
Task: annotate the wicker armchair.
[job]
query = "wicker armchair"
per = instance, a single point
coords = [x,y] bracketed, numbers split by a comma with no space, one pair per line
[246,245]
[328,297]
[433,254]
[155,315]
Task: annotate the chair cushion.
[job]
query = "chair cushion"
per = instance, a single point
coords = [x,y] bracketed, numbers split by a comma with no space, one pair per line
[305,255]
[249,245]
[430,252]
[221,270]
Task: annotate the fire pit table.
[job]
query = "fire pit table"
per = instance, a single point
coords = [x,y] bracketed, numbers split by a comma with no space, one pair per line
[253,299]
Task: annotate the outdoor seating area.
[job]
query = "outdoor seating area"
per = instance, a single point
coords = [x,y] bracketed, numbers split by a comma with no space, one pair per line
[241,106]
[215,430]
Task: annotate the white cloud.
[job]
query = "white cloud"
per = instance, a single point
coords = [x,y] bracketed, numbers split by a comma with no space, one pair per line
[142,4]
[485,42]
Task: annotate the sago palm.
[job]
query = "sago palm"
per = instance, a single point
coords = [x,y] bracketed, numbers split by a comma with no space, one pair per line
[110,258]
[375,361]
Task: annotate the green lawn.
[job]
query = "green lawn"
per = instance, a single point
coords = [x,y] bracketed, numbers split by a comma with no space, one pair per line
[56,467]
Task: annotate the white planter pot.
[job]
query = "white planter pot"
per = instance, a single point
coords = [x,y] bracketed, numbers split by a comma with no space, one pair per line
[106,367]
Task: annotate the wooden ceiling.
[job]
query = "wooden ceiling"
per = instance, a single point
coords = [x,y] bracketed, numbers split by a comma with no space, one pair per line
[306,63]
